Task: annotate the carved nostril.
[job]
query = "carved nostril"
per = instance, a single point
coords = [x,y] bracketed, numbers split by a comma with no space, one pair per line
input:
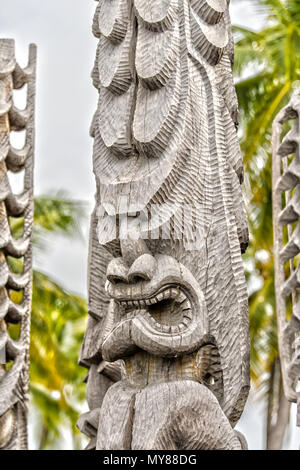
[117,271]
[138,277]
[143,269]
[117,280]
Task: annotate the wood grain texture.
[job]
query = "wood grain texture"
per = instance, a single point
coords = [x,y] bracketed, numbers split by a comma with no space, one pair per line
[181,415]
[166,272]
[286,212]
[14,379]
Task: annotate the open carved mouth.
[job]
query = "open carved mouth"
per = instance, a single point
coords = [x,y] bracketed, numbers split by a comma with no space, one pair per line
[165,315]
[170,312]
[169,309]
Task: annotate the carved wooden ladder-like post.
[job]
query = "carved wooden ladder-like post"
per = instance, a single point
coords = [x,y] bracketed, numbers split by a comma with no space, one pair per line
[167,341]
[15,249]
[286,214]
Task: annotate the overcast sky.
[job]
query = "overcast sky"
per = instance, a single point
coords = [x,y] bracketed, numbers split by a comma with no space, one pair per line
[66,101]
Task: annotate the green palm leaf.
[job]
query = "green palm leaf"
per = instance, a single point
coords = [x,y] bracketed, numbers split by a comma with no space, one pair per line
[267,73]
[58,323]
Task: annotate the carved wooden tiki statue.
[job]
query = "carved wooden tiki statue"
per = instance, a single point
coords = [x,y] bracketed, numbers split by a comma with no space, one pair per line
[167,338]
[15,249]
[286,214]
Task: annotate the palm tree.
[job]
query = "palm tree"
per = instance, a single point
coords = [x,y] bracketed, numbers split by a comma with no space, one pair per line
[57,328]
[267,69]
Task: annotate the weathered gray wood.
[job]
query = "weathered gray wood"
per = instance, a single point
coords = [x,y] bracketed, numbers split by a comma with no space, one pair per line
[14,380]
[168,299]
[286,212]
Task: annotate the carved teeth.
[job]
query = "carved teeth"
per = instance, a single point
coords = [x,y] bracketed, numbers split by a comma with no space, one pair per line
[174,293]
[187,316]
[187,305]
[174,329]
[167,294]
[165,328]
[171,293]
[181,327]
[181,298]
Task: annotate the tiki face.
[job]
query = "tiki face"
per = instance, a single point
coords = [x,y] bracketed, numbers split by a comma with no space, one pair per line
[158,306]
[157,320]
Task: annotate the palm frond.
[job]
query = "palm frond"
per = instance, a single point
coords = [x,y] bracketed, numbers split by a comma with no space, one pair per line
[58,214]
[57,329]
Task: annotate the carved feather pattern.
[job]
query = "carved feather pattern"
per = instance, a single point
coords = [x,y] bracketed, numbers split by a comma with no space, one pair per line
[165,134]
[14,382]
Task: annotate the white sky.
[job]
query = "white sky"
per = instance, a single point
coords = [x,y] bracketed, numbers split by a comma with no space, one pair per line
[66,101]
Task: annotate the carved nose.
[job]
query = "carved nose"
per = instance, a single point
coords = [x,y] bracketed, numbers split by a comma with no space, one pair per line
[142,269]
[137,255]
[117,271]
[137,264]
[133,249]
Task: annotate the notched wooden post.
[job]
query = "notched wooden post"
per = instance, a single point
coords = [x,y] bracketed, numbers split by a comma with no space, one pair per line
[286,213]
[167,344]
[15,246]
